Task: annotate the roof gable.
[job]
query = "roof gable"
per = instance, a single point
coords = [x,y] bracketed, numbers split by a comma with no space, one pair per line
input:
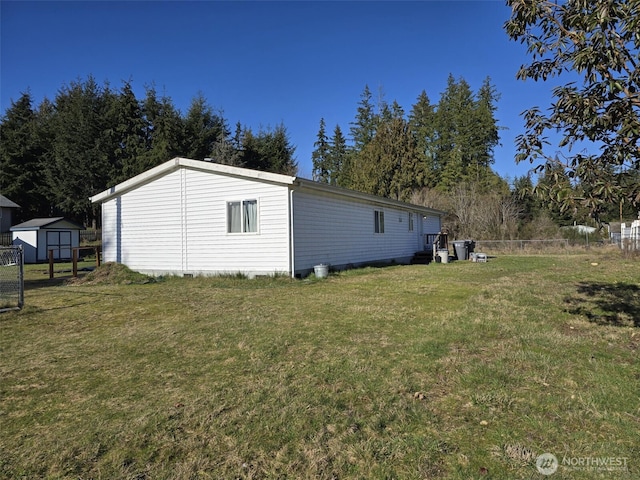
[177,163]
[6,203]
[47,223]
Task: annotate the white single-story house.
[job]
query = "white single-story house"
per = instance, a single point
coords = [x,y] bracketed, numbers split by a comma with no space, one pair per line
[40,235]
[6,213]
[192,217]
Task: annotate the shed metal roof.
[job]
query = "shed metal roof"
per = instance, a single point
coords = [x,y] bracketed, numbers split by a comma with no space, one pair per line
[55,222]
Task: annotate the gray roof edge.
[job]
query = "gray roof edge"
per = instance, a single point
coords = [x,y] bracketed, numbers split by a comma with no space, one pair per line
[180,162]
[37,223]
[346,192]
[6,203]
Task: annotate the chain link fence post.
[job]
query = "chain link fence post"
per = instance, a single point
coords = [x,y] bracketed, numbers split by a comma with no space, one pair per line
[11,278]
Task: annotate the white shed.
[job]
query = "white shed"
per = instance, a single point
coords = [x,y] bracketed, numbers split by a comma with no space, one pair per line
[191,217]
[40,235]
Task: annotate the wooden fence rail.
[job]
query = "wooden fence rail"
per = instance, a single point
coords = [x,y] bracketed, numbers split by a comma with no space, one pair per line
[75,255]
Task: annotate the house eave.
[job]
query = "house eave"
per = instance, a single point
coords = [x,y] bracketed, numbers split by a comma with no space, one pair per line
[257,175]
[366,197]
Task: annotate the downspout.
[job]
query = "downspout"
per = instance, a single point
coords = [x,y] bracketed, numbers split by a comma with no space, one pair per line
[292,252]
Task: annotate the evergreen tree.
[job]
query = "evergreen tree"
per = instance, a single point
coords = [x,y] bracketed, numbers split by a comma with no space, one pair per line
[484,134]
[452,122]
[251,155]
[422,127]
[83,153]
[278,151]
[20,157]
[164,130]
[389,165]
[236,140]
[397,112]
[128,130]
[320,156]
[203,128]
[338,158]
[269,151]
[466,134]
[523,193]
[45,125]
[363,128]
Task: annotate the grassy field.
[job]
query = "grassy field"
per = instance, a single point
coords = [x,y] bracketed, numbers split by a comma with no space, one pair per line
[465,370]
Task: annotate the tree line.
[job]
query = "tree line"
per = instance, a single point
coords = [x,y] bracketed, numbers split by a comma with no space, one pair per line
[54,156]
[393,154]
[440,155]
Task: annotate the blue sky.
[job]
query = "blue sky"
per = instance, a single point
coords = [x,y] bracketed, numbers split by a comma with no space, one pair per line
[265,62]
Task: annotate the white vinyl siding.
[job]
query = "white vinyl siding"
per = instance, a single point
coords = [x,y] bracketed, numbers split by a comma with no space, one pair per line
[338,231]
[182,218]
[29,242]
[177,223]
[431,224]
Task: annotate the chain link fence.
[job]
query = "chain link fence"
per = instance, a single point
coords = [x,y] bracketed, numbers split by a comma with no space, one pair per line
[522,246]
[11,278]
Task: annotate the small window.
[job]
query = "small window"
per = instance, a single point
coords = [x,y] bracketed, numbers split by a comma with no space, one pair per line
[242,217]
[411,222]
[378,221]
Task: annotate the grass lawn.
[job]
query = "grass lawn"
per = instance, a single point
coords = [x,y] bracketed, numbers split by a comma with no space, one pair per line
[465,370]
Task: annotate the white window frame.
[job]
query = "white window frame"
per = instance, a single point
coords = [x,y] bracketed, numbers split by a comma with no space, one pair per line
[242,217]
[378,221]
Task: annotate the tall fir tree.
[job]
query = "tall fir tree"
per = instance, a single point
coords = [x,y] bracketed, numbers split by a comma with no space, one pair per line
[278,151]
[423,129]
[320,155]
[363,129]
[203,128]
[83,153]
[466,134]
[485,132]
[270,150]
[20,160]
[164,130]
[128,130]
[338,156]
[452,120]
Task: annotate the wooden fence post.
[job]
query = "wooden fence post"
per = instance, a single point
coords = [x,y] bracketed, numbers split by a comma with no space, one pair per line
[50,264]
[75,261]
